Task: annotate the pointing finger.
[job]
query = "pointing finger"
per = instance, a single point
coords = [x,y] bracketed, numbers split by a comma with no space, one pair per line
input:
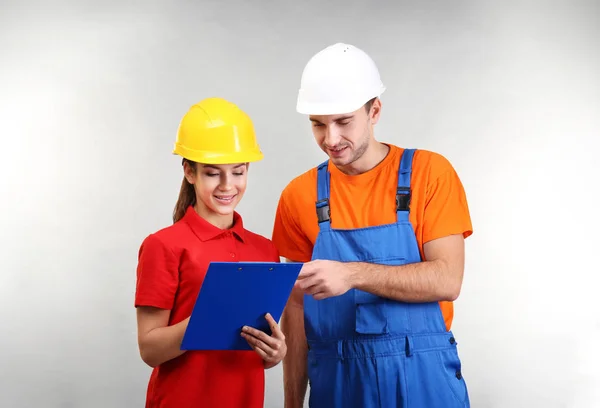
[306,271]
[307,283]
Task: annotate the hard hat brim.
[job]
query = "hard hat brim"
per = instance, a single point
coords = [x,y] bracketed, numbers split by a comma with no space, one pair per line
[307,107]
[205,157]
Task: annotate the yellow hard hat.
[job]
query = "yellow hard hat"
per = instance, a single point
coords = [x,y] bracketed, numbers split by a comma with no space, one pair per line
[216,131]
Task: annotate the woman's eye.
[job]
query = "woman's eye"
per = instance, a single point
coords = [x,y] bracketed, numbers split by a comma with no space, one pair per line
[238,174]
[212,174]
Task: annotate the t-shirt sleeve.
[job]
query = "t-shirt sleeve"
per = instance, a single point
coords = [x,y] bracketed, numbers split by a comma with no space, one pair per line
[274,252]
[446,207]
[157,274]
[291,242]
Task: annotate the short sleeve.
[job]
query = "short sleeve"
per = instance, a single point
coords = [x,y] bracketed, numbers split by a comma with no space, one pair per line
[274,252]
[291,242]
[157,274]
[446,207]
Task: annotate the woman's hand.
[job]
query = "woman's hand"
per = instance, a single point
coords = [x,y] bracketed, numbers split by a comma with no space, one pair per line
[271,348]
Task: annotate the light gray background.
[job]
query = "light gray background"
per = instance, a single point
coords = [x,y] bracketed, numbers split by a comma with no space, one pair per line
[90,98]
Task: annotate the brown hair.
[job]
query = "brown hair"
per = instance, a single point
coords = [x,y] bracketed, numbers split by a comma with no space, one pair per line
[369,104]
[187,195]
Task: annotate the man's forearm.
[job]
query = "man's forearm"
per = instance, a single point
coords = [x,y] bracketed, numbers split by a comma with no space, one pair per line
[295,378]
[428,281]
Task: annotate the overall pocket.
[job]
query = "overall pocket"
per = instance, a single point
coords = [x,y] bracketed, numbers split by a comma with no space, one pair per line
[325,379]
[371,316]
[372,311]
[435,380]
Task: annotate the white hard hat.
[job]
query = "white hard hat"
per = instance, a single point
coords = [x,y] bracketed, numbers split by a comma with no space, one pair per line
[338,79]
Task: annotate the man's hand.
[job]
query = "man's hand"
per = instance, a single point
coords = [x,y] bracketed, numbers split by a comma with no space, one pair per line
[272,348]
[437,278]
[322,279]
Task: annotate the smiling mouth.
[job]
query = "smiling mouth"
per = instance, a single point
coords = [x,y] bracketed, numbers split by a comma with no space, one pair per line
[337,150]
[226,199]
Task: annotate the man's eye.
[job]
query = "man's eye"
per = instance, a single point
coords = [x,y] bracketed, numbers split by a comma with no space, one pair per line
[344,123]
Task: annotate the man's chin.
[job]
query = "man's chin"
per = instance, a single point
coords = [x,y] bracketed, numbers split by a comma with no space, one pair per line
[341,161]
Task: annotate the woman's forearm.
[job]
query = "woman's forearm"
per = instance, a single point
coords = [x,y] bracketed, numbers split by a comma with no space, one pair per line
[163,343]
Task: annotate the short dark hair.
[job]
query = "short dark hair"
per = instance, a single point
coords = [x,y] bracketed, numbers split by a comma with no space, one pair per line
[369,104]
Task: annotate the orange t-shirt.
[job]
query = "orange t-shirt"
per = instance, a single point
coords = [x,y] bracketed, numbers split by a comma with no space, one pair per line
[438,205]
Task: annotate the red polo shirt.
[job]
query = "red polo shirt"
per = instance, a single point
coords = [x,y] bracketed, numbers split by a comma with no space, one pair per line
[171,267]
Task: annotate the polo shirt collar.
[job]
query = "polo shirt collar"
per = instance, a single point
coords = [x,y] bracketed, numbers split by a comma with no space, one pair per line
[207,231]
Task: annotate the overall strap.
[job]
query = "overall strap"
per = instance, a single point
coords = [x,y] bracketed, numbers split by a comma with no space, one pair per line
[323,212]
[403,193]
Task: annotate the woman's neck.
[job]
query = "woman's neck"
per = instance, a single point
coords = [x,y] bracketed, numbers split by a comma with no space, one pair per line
[218,220]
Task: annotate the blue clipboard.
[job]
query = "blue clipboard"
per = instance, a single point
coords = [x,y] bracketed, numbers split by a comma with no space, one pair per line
[237,294]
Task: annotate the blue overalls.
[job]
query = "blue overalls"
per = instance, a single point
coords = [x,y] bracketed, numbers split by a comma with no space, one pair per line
[366,351]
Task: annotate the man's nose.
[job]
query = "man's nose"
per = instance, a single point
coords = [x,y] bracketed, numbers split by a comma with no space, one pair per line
[332,136]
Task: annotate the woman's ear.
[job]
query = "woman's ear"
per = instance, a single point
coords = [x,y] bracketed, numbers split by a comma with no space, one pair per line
[189,171]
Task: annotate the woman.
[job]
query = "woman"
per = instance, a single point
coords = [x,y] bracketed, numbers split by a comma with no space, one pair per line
[217,142]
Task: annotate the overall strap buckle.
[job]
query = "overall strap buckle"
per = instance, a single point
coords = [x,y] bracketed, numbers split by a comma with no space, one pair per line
[323,212]
[403,193]
[322,204]
[403,196]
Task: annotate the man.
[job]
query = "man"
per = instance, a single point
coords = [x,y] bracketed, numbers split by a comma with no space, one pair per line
[382,231]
